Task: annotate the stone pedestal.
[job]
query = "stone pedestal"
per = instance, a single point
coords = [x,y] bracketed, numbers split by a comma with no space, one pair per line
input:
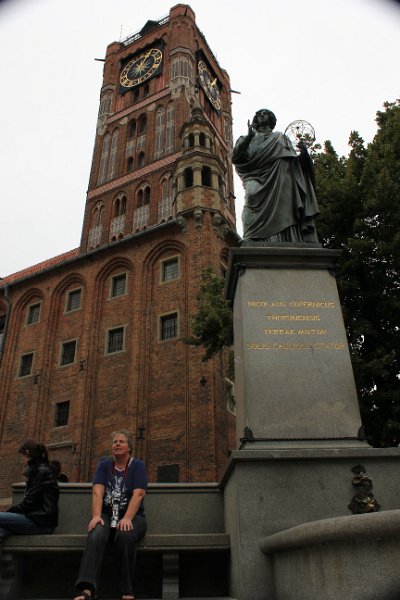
[297,428]
[294,382]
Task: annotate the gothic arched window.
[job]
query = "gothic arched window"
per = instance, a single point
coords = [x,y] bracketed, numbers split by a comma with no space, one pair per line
[206,176]
[188,177]
[170,133]
[160,132]
[132,129]
[142,124]
[112,163]
[105,153]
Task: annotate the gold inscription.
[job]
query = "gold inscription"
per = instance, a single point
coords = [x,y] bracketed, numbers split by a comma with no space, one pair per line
[289,346]
[280,331]
[292,304]
[293,317]
[295,331]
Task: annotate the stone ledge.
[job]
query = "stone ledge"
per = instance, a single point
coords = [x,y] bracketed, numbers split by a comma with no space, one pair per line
[151,543]
[351,529]
[281,454]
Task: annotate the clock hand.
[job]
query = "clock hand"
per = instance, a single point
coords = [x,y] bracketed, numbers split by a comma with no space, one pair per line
[140,67]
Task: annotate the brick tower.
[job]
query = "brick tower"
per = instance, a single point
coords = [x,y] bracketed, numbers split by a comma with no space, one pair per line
[94,340]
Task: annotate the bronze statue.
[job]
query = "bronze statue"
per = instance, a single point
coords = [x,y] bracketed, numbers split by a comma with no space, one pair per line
[280,203]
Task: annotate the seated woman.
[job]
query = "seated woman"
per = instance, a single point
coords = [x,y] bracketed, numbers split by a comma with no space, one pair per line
[38,510]
[119,487]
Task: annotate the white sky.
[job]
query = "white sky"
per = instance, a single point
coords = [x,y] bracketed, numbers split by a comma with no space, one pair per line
[330,62]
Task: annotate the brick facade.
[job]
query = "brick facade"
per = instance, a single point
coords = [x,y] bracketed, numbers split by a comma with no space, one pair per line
[138,218]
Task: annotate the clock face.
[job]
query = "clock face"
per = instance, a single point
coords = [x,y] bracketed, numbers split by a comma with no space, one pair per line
[209,85]
[141,68]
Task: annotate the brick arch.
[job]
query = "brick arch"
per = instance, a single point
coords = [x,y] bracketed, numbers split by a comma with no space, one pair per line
[68,281]
[224,255]
[27,298]
[110,266]
[155,253]
[166,175]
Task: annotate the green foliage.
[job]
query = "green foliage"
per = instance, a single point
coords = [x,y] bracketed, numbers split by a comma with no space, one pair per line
[212,325]
[359,200]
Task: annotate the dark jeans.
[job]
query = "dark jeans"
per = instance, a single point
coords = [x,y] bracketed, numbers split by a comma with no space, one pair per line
[20,524]
[125,545]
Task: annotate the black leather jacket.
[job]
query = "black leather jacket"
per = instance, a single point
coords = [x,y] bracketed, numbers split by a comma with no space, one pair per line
[40,502]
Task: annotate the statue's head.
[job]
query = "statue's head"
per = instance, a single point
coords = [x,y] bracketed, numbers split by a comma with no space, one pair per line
[264,117]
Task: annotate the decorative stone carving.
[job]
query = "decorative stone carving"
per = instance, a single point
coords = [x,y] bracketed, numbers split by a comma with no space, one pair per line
[198,218]
[182,222]
[363,500]
[220,226]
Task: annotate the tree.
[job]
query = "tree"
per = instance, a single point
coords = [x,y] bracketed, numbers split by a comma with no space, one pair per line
[212,324]
[359,199]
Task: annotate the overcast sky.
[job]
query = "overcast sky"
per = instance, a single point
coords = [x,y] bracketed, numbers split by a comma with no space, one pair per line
[330,62]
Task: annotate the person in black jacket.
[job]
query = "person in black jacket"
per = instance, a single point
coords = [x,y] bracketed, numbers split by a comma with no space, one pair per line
[38,511]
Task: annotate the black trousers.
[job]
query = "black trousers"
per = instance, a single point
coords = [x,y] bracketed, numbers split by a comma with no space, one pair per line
[125,546]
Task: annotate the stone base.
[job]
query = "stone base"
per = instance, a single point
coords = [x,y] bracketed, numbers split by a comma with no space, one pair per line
[345,557]
[293,375]
[271,491]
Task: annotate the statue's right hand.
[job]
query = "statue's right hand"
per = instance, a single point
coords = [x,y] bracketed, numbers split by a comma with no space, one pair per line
[251,130]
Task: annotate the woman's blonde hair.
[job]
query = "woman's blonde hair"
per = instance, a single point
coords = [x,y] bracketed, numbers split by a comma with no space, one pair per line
[127,434]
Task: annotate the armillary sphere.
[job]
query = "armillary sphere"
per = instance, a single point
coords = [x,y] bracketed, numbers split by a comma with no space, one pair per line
[300,131]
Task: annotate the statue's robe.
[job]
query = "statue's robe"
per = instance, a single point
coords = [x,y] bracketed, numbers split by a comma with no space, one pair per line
[280,202]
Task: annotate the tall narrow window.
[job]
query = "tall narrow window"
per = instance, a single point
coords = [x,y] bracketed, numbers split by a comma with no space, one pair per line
[170,141]
[206,176]
[118,285]
[105,104]
[146,195]
[115,340]
[182,68]
[165,207]
[73,300]
[25,365]
[188,177]
[113,156]
[160,133]
[132,129]
[142,124]
[68,353]
[165,192]
[61,414]
[141,161]
[170,269]
[105,152]
[33,313]
[169,326]
[98,216]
